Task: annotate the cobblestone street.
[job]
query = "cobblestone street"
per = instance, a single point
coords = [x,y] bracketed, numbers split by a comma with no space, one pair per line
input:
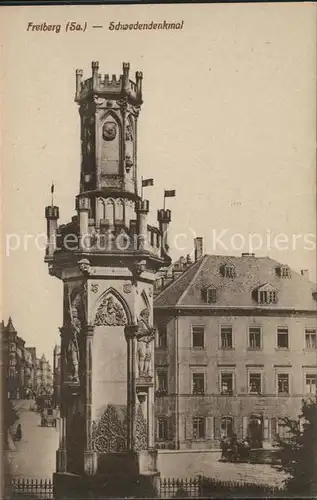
[191,464]
[34,456]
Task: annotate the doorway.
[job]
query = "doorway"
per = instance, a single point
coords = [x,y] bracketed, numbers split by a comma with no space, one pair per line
[255,431]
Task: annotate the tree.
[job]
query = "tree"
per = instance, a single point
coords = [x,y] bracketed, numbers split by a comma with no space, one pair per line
[296,452]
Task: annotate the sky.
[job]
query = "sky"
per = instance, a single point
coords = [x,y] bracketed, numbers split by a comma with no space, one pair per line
[228,121]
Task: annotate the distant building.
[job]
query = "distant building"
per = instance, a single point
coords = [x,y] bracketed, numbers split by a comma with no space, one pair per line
[44,377]
[23,372]
[57,374]
[235,352]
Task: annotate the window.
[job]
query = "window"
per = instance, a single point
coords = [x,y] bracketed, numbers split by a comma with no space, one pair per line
[211,295]
[283,383]
[227,383]
[282,338]
[198,383]
[199,428]
[162,336]
[255,383]
[226,427]
[226,337]
[12,347]
[254,338]
[162,428]
[267,297]
[284,272]
[310,383]
[162,383]
[198,333]
[228,271]
[310,338]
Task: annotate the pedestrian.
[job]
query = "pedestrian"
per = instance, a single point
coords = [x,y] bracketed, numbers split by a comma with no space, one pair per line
[223,446]
[18,433]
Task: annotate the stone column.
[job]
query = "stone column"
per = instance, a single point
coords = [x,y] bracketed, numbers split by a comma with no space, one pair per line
[61,453]
[90,456]
[130,332]
[150,403]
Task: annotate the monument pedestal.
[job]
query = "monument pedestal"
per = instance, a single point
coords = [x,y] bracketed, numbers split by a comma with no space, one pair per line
[119,475]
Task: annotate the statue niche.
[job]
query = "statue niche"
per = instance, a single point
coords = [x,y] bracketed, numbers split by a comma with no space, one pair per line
[75,318]
[145,337]
[110,312]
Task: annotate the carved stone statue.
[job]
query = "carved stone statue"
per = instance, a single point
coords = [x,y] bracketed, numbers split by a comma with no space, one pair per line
[144,354]
[128,133]
[72,347]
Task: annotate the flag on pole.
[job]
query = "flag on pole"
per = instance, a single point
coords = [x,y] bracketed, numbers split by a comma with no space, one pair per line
[169,193]
[147,182]
[52,188]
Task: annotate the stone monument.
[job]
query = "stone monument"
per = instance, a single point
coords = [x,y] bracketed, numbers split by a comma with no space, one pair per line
[107,257]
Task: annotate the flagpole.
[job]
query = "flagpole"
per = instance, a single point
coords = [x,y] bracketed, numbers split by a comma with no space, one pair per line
[142,187]
[164,201]
[52,194]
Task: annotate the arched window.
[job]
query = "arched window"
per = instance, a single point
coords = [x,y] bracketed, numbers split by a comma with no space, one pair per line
[109,210]
[119,210]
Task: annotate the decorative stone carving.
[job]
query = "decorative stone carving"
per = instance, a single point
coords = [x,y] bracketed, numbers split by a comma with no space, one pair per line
[73,346]
[144,350]
[145,336]
[99,101]
[110,312]
[141,440]
[109,130]
[75,318]
[94,287]
[128,133]
[84,266]
[140,267]
[110,433]
[127,287]
[128,162]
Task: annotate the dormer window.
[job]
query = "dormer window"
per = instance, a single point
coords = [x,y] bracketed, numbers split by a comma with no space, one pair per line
[283,272]
[210,295]
[266,294]
[228,271]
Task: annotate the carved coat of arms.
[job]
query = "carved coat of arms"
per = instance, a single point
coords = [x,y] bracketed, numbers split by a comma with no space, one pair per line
[109,131]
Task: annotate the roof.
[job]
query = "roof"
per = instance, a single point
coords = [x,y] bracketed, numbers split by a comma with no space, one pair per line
[10,328]
[250,273]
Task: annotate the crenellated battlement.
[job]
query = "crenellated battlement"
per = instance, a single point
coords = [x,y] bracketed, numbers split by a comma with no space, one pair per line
[98,84]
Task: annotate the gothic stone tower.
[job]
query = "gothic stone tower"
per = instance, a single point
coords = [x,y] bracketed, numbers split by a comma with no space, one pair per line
[107,258]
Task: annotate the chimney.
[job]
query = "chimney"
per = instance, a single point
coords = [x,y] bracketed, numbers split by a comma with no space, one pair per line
[199,248]
[305,273]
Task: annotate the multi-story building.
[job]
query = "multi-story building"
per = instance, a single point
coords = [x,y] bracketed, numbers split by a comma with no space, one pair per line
[24,373]
[236,350]
[44,377]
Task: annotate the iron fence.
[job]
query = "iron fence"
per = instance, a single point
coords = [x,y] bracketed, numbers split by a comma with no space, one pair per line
[21,488]
[195,487]
[202,487]
[180,487]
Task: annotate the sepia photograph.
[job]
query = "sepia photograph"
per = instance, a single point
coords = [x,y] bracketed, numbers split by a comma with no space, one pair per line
[158,266]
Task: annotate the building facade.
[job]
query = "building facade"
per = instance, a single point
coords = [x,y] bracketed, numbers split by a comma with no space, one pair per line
[57,375]
[24,373]
[235,350]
